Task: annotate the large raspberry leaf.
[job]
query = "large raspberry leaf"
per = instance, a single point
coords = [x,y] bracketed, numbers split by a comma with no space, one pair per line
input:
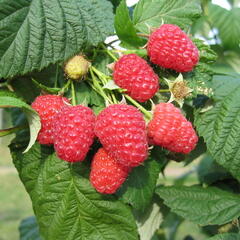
[204,206]
[65,203]
[150,14]
[139,188]
[226,236]
[10,100]
[219,126]
[36,33]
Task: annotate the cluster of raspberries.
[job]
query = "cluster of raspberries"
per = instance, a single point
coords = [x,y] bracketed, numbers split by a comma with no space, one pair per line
[168,47]
[121,128]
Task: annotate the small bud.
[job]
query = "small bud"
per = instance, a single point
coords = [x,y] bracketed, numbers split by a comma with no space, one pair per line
[77,67]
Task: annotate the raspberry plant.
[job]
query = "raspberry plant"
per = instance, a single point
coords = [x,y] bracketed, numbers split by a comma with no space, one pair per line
[115,132]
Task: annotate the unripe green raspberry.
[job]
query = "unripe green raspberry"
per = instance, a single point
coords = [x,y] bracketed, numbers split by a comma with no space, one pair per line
[77,67]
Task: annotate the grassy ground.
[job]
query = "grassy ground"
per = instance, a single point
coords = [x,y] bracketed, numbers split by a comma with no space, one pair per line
[14,201]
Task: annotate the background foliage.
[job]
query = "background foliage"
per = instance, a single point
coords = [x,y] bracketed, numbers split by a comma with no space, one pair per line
[36,37]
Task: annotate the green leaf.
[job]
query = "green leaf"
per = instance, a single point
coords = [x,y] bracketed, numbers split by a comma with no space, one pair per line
[205,206]
[150,14]
[83,93]
[227,22]
[220,125]
[8,99]
[139,188]
[125,28]
[48,76]
[226,236]
[207,55]
[29,229]
[101,62]
[65,203]
[36,33]
[25,88]
[97,102]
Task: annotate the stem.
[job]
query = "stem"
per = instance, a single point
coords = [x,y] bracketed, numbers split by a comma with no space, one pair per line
[109,53]
[74,102]
[147,114]
[66,86]
[100,93]
[114,98]
[98,88]
[104,80]
[5,132]
[164,90]
[101,75]
[143,35]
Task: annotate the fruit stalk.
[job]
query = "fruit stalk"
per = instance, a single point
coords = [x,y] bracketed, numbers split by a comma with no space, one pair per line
[96,86]
[74,101]
[103,78]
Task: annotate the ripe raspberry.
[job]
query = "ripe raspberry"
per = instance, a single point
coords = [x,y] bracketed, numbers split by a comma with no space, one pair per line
[171,130]
[73,132]
[47,106]
[134,74]
[122,131]
[76,67]
[170,47]
[107,175]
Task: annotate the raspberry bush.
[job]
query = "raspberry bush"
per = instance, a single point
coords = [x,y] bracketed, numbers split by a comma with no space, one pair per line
[100,123]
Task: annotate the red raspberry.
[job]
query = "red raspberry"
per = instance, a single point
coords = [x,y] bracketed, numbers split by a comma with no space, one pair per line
[171,130]
[134,74]
[107,175]
[170,47]
[73,132]
[122,131]
[47,106]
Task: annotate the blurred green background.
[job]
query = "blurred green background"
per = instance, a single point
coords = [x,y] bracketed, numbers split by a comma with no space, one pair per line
[15,203]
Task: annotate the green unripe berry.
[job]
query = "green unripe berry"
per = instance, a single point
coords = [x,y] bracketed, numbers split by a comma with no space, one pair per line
[77,67]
